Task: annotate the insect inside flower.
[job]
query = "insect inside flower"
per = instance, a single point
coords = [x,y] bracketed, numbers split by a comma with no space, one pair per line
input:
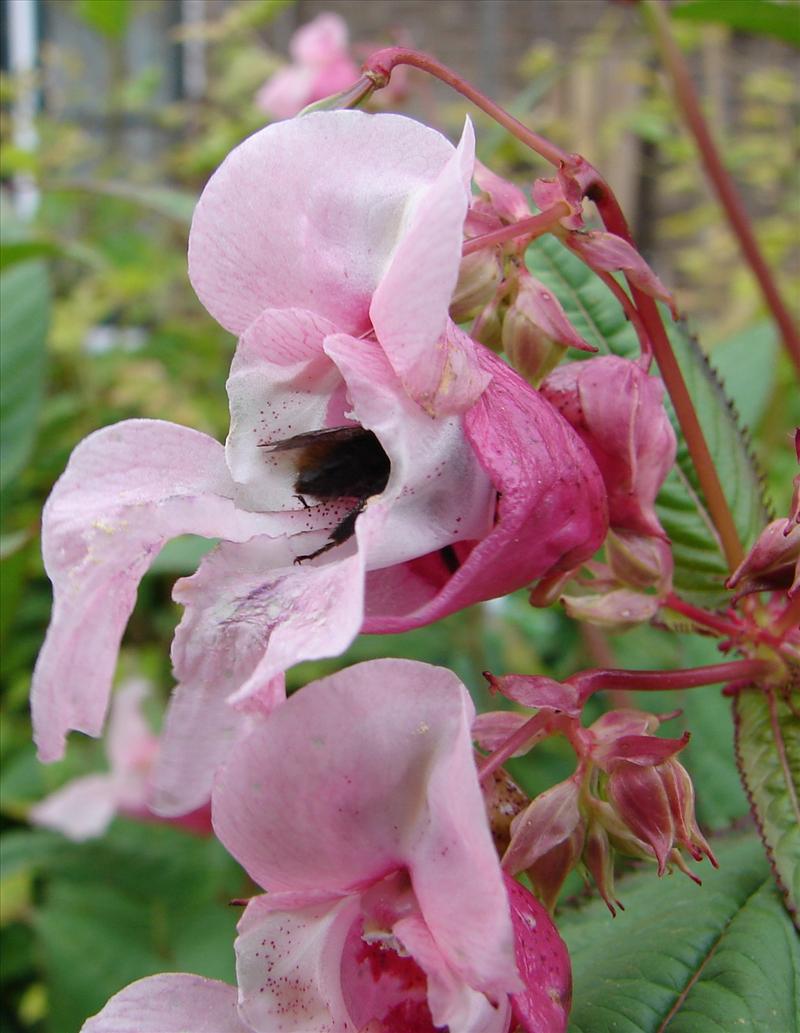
[337,463]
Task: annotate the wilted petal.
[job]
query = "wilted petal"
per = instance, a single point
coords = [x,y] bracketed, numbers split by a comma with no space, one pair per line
[126,491]
[551,511]
[289,965]
[536,691]
[282,222]
[81,809]
[543,960]
[550,819]
[490,730]
[409,310]
[170,1003]
[368,772]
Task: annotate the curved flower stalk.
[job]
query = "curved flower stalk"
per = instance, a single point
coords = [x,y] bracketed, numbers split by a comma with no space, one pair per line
[357,807]
[85,806]
[332,245]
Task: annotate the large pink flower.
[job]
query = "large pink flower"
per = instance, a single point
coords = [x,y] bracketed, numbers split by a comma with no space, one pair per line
[357,807]
[332,245]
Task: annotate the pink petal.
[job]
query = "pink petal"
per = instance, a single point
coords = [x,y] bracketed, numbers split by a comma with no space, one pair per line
[453,1003]
[288,965]
[551,512]
[81,809]
[549,820]
[410,305]
[126,491]
[368,772]
[544,1004]
[307,214]
[170,1003]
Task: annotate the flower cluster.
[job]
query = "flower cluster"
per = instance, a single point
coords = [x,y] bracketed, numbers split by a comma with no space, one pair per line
[383,469]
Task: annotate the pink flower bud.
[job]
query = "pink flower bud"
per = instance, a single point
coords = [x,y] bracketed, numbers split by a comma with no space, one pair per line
[548,192]
[639,797]
[640,561]
[536,331]
[478,278]
[608,252]
[617,610]
[549,831]
[619,412]
[599,860]
[773,562]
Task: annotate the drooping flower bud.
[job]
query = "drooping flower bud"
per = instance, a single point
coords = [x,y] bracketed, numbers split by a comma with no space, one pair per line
[619,412]
[773,562]
[547,839]
[616,610]
[536,330]
[640,561]
[479,275]
[598,857]
[609,253]
[639,797]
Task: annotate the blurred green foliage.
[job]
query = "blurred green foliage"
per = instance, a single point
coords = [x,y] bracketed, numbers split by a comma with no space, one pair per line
[99,324]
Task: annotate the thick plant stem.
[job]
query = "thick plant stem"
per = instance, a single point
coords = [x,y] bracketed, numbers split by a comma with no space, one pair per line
[718,175]
[614,221]
[657,681]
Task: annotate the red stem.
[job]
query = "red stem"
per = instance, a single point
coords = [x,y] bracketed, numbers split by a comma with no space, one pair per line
[381,63]
[703,617]
[539,727]
[720,179]
[631,312]
[535,226]
[656,681]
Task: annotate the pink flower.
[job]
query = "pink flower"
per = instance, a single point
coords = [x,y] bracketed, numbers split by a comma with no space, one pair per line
[357,807]
[457,481]
[321,65]
[618,410]
[84,807]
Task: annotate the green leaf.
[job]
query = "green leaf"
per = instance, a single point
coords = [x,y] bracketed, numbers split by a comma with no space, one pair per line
[700,567]
[768,751]
[762,17]
[109,17]
[688,959]
[144,899]
[24,317]
[747,367]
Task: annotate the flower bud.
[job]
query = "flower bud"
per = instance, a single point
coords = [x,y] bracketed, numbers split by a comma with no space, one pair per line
[608,253]
[547,838]
[617,610]
[478,278]
[598,858]
[536,331]
[640,561]
[618,410]
[639,797]
[773,562]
